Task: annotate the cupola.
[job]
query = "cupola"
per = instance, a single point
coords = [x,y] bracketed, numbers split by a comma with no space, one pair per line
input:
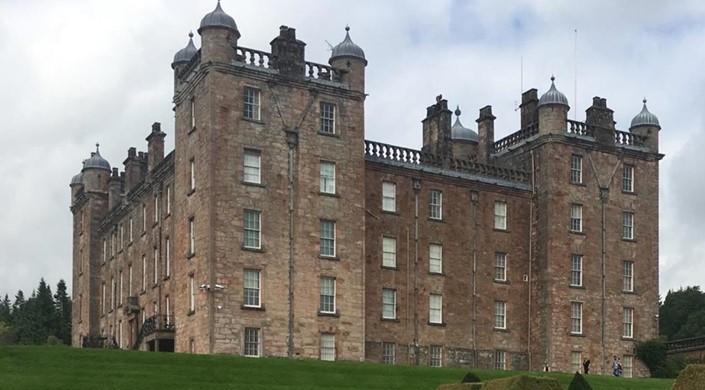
[553,96]
[460,132]
[218,19]
[96,161]
[184,55]
[77,179]
[347,48]
[645,118]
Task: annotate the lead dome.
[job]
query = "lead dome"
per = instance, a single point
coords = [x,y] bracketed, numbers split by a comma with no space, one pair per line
[184,55]
[460,132]
[96,161]
[218,19]
[553,96]
[645,118]
[348,48]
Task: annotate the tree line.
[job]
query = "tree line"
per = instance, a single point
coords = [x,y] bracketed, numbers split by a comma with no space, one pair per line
[43,318]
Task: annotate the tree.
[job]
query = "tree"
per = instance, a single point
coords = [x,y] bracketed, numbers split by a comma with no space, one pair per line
[693,327]
[6,310]
[63,310]
[653,354]
[676,309]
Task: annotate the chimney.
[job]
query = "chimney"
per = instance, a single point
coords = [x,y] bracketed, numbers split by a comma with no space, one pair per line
[485,129]
[529,102]
[601,119]
[436,129]
[133,172]
[114,189]
[155,146]
[288,53]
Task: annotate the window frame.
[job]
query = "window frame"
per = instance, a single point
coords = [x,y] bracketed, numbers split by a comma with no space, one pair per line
[326,179]
[327,242]
[500,266]
[252,166]
[500,215]
[327,118]
[627,225]
[389,353]
[251,342]
[252,103]
[435,205]
[252,229]
[628,276]
[500,314]
[192,236]
[576,218]
[576,318]
[252,295]
[576,273]
[435,356]
[389,197]
[389,252]
[389,306]
[435,309]
[435,260]
[500,360]
[327,292]
[328,350]
[628,178]
[576,169]
[627,322]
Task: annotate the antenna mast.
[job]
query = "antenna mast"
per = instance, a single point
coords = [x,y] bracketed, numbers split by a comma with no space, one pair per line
[575,87]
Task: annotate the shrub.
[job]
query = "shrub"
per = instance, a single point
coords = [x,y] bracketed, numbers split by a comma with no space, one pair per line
[523,382]
[54,341]
[653,354]
[579,383]
[470,377]
[692,377]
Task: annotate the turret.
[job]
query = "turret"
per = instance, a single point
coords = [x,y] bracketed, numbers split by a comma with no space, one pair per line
[182,58]
[646,124]
[552,111]
[350,58]
[96,171]
[602,120]
[219,35]
[76,186]
[155,146]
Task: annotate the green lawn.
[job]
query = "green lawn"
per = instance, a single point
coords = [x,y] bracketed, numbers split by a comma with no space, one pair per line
[32,367]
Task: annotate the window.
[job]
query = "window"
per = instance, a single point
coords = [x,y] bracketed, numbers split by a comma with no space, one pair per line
[168,200]
[576,317]
[252,342]
[144,273]
[113,295]
[327,238]
[121,240]
[327,118]
[576,270]
[251,293]
[576,169]
[627,366]
[389,353]
[435,258]
[251,104]
[129,280]
[576,217]
[327,346]
[130,229]
[252,166]
[435,309]
[436,356]
[192,175]
[500,315]
[113,244]
[628,225]
[102,300]
[628,178]
[144,217]
[500,267]
[327,177]
[500,215]
[389,252]
[156,266]
[193,113]
[389,304]
[628,280]
[628,323]
[435,204]
[500,360]
[191,236]
[192,294]
[252,233]
[389,197]
[120,288]
[167,258]
[156,209]
[575,361]
[105,250]
[167,311]
[327,295]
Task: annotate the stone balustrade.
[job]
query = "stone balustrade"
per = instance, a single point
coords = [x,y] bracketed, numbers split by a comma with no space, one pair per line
[253,57]
[579,128]
[517,137]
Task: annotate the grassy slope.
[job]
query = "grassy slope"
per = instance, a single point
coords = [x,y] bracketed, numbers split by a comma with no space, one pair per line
[30,367]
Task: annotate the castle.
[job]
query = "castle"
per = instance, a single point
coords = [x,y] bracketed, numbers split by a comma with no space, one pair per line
[275,229]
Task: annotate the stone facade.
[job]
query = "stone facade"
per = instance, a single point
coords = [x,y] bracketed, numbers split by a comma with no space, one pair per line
[275,229]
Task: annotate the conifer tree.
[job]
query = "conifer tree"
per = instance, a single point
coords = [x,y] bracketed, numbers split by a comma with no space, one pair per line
[63,310]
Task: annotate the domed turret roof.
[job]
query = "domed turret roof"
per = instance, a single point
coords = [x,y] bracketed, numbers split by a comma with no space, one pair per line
[460,132]
[347,48]
[645,118]
[77,178]
[96,161]
[553,96]
[218,18]
[184,55]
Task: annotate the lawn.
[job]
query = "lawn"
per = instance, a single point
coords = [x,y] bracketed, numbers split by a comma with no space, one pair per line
[33,367]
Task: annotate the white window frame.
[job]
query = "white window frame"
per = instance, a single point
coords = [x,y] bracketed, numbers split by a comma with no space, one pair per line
[252,229]
[500,314]
[156,208]
[168,200]
[576,270]
[251,103]
[327,295]
[628,323]
[103,304]
[192,113]
[192,236]
[252,166]
[156,266]
[576,361]
[628,276]
[144,217]
[252,288]
[435,355]
[129,280]
[628,178]
[500,360]
[435,258]
[500,215]
[327,177]
[576,169]
[500,267]
[144,273]
[435,204]
[105,250]
[120,286]
[328,114]
[576,218]
[192,294]
[113,295]
[167,257]
[576,317]
[192,175]
[252,342]
[628,225]
[389,353]
[627,366]
[389,304]
[328,233]
[435,308]
[130,230]
[389,197]
[327,347]
[389,252]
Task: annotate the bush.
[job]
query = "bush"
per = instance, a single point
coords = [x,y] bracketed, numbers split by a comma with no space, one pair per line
[653,354]
[471,378]
[579,383]
[692,377]
[54,341]
[523,382]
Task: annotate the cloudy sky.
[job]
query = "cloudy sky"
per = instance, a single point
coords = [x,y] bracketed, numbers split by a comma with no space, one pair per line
[77,72]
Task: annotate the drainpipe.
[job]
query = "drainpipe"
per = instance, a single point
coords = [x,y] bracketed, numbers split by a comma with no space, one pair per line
[531,256]
[292,141]
[474,200]
[417,189]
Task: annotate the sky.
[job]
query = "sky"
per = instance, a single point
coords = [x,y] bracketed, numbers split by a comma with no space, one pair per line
[77,72]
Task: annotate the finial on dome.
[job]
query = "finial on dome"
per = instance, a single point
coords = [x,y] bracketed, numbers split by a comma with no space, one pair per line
[457,111]
[644,100]
[553,96]
[645,118]
[347,27]
[347,48]
[97,146]
[190,34]
[553,78]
